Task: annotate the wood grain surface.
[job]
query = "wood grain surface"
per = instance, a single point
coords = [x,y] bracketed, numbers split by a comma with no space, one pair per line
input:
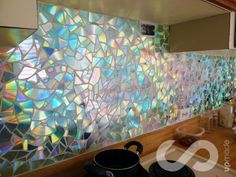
[228,4]
[74,167]
[219,137]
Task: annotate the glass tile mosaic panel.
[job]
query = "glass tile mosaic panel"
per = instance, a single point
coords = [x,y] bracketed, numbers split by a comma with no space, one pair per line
[84,81]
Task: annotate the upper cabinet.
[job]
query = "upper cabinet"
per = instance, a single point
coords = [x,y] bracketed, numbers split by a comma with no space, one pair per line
[18,20]
[216,32]
[155,11]
[211,33]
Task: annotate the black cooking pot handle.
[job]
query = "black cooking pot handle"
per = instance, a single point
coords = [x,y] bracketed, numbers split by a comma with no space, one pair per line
[95,170]
[139,149]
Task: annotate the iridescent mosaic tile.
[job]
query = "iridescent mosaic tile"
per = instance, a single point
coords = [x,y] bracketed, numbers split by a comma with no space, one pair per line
[85,80]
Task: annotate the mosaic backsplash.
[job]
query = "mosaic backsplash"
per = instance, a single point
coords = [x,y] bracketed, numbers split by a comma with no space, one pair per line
[84,81]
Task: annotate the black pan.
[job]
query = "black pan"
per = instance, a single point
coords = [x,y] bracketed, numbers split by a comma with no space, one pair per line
[117,162]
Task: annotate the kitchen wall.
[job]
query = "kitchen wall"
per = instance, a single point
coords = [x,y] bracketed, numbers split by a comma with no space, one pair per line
[85,80]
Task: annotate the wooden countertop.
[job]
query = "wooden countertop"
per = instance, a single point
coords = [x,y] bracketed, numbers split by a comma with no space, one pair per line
[218,138]
[74,167]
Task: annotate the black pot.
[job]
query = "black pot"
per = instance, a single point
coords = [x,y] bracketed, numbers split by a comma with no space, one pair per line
[116,162]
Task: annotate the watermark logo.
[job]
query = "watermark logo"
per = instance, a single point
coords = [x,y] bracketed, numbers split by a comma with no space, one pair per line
[183,160]
[226,155]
